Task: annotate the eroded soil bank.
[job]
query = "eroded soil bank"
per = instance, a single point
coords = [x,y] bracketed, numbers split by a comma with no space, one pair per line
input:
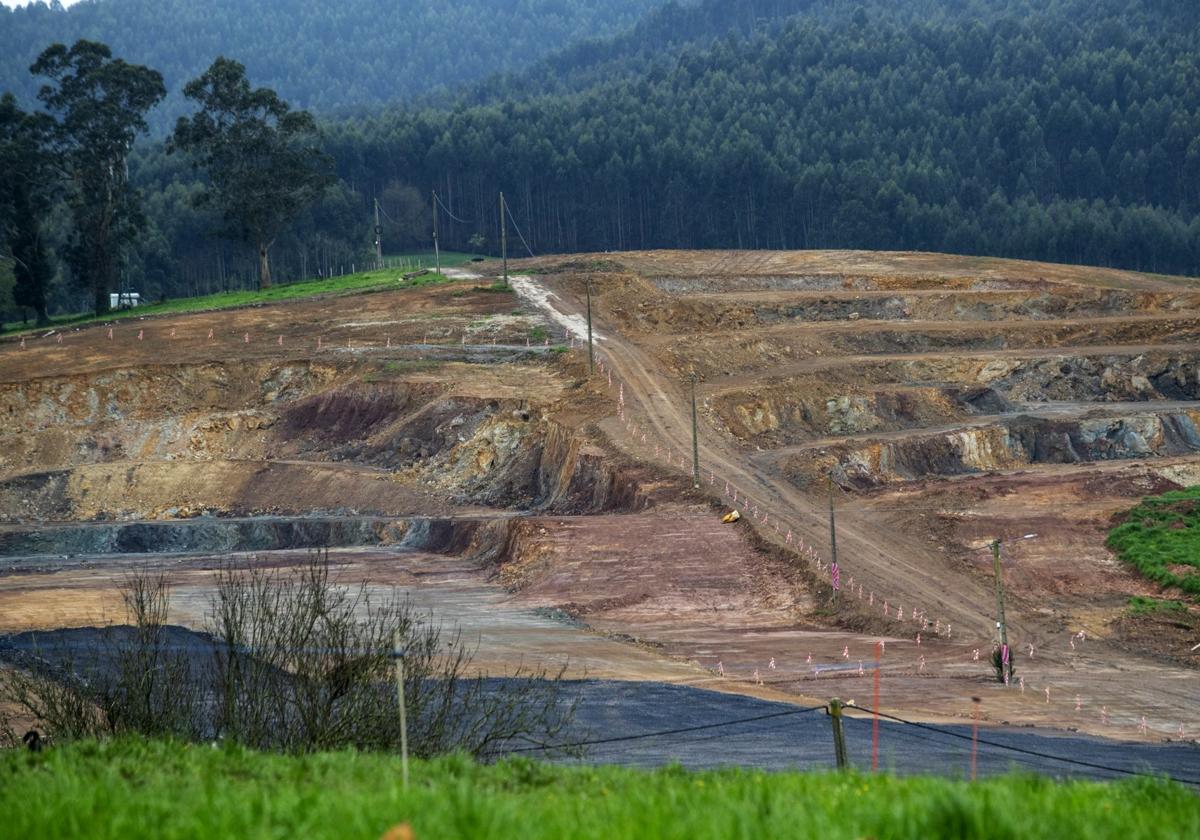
[448,441]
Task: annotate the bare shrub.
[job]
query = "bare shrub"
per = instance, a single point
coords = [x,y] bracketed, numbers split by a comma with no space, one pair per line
[8,734]
[293,661]
[135,680]
[152,690]
[56,699]
[304,663]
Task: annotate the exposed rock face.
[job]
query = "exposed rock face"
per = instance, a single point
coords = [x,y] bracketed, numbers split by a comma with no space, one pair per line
[1015,443]
[866,399]
[540,465]
[194,432]
[850,415]
[225,536]
[163,413]
[941,302]
[782,416]
[758,418]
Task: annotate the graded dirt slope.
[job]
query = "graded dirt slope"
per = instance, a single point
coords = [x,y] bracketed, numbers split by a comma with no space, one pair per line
[951,401]
[451,440]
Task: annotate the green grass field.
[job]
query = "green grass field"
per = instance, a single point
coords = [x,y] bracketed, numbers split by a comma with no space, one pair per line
[349,283]
[450,259]
[136,789]
[1139,606]
[1161,539]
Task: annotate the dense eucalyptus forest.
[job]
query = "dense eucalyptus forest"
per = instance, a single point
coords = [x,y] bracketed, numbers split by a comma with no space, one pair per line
[1060,130]
[1048,135]
[316,54]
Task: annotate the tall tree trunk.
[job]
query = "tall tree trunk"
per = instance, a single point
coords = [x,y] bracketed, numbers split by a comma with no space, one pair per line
[100,298]
[264,266]
[101,270]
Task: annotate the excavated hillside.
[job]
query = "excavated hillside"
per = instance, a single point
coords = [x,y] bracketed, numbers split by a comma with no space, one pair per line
[949,402]
[450,440]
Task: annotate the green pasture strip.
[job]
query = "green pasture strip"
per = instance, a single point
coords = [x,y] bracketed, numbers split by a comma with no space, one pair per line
[1161,539]
[450,259]
[363,281]
[133,789]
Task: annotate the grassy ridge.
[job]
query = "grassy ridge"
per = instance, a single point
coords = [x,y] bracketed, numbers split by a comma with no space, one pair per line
[133,789]
[386,278]
[1161,539]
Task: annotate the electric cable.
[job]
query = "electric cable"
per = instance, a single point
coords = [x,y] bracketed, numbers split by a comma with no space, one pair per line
[660,734]
[925,739]
[1027,751]
[770,727]
[385,213]
[438,199]
[508,210]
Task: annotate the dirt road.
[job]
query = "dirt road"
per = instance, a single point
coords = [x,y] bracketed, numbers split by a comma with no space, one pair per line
[895,556]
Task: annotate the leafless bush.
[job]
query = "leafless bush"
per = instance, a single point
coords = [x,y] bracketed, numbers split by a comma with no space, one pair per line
[294,661]
[8,735]
[304,663]
[59,702]
[151,690]
[134,681]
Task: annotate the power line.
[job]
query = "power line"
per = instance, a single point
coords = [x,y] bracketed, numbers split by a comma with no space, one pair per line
[660,734]
[1026,751]
[508,210]
[925,739]
[383,210]
[438,198]
[718,734]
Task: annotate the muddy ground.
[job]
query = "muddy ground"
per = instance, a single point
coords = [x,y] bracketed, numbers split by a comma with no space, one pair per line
[449,440]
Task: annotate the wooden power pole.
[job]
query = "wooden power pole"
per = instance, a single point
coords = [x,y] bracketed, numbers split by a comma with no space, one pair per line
[839,736]
[1001,625]
[504,238]
[378,237]
[695,440]
[437,255]
[398,654]
[591,351]
[832,537]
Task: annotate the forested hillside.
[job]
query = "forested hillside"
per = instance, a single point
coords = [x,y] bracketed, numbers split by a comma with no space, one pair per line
[1028,129]
[1065,130]
[317,54]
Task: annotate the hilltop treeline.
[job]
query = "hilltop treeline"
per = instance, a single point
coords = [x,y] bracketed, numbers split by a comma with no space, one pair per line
[319,55]
[1065,130]
[1047,135]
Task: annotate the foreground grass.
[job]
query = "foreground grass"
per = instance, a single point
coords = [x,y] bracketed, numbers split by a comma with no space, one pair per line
[387,278]
[1161,539]
[132,789]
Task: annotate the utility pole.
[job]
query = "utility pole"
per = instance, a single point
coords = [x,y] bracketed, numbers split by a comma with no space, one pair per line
[591,351]
[833,568]
[695,440]
[875,712]
[378,237]
[1005,667]
[398,654]
[839,737]
[504,238]
[437,255]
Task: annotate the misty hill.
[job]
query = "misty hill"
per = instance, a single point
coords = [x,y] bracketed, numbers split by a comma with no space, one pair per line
[1015,129]
[1061,130]
[317,54]
[664,32]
